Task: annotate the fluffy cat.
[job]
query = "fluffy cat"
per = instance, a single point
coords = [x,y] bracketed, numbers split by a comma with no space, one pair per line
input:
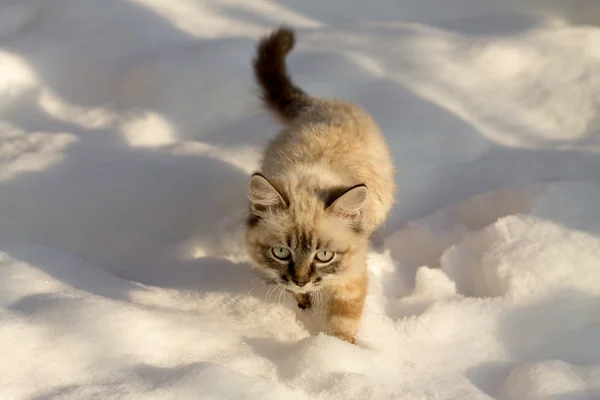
[325,184]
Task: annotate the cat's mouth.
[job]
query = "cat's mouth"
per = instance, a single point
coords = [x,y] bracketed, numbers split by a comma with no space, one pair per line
[292,287]
[308,288]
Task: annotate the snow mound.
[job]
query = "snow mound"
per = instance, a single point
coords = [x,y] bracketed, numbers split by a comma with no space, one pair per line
[553,380]
[521,289]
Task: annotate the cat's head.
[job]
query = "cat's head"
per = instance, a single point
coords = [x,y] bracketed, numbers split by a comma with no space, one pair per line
[304,239]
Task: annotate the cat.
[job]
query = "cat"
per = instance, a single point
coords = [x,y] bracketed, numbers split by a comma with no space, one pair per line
[325,184]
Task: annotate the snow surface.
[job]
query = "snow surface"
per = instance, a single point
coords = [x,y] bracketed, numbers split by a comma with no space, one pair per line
[127,133]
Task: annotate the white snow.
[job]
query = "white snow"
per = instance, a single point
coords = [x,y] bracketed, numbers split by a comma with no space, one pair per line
[128,129]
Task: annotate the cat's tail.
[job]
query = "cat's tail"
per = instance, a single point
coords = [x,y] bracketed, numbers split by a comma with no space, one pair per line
[279,93]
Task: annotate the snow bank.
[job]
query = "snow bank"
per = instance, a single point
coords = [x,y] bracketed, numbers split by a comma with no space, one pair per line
[519,291]
[126,141]
[553,379]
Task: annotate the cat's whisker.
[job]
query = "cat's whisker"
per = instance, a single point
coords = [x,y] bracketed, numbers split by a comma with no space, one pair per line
[316,299]
[261,279]
[281,291]
[322,308]
[275,291]
[269,292]
[319,301]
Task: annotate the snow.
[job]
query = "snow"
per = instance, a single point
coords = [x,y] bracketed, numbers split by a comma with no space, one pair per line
[128,130]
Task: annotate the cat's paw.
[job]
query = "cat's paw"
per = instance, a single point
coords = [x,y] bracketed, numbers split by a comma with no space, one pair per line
[345,337]
[304,301]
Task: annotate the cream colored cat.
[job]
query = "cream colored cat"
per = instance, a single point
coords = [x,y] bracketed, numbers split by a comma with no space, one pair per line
[325,184]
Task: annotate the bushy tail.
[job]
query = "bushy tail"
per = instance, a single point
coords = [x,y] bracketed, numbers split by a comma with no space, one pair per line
[279,93]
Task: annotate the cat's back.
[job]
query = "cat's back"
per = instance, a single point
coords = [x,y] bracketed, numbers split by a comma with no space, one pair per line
[333,133]
[336,143]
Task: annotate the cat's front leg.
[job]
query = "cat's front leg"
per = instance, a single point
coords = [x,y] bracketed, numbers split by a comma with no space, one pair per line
[304,300]
[346,309]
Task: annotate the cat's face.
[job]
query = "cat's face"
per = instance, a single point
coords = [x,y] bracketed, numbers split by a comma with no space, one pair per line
[302,242]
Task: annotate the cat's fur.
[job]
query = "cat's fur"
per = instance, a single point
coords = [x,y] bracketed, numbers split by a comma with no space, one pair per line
[326,183]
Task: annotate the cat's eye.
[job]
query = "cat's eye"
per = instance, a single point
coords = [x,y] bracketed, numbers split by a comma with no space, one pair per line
[281,253]
[324,255]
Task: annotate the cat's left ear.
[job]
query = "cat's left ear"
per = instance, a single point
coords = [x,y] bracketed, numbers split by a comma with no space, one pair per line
[263,194]
[350,203]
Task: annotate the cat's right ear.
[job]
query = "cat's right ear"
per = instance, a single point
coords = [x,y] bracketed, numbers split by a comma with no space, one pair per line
[263,194]
[350,203]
